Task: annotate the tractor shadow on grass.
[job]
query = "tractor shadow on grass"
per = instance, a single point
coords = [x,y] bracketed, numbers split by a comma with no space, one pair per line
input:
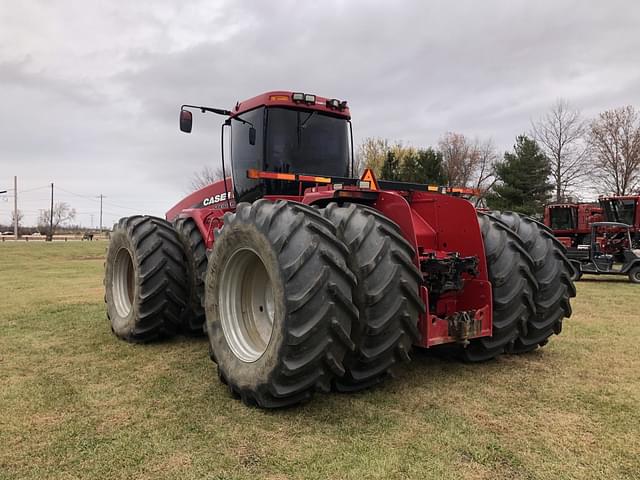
[604,279]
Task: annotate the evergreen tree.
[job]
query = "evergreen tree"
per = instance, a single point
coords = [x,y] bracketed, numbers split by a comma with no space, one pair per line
[523,184]
[423,166]
[390,167]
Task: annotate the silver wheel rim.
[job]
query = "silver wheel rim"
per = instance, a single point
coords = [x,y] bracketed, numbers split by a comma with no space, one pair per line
[123,282]
[247,305]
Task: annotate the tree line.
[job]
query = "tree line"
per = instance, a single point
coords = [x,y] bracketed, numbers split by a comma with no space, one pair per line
[561,157]
[62,214]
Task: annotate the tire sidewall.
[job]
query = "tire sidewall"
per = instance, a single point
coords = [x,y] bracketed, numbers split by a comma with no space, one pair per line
[244,375]
[183,228]
[190,260]
[122,326]
[634,274]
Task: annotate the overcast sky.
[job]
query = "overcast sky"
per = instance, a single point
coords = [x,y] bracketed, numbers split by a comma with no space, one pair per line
[90,90]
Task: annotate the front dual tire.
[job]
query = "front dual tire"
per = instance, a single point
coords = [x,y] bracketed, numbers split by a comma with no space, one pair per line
[278,303]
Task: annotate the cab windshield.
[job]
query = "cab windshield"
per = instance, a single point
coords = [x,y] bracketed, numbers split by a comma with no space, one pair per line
[562,218]
[306,142]
[287,141]
[623,211]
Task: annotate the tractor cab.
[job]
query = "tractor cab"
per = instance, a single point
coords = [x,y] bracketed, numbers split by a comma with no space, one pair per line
[571,222]
[610,252]
[621,209]
[283,133]
[562,217]
[624,209]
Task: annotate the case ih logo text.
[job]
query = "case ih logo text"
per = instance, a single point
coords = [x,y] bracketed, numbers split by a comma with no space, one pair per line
[221,197]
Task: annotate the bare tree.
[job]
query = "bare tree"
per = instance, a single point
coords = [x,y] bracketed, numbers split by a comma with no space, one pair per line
[561,135]
[615,139]
[371,153]
[485,173]
[62,213]
[359,163]
[17,215]
[205,176]
[460,158]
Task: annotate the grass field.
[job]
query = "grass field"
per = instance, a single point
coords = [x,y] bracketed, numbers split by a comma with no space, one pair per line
[77,403]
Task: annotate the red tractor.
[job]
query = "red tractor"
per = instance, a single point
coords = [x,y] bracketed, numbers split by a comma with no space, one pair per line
[306,278]
[624,209]
[571,222]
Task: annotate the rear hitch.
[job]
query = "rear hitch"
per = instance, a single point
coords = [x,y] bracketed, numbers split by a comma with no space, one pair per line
[464,325]
[443,275]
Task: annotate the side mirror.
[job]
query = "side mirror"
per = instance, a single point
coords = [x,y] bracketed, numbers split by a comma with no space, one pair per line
[252,135]
[186,121]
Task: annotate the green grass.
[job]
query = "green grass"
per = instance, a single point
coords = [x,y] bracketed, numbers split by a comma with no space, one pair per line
[77,403]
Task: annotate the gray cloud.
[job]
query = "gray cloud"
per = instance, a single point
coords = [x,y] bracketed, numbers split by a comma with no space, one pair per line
[90,93]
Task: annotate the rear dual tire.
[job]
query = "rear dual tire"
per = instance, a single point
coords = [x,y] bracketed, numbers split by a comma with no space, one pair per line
[554,275]
[145,279]
[513,285]
[193,317]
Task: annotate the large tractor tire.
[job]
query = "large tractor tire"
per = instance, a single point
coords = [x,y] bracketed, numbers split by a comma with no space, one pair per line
[513,286]
[553,272]
[387,295]
[278,303]
[193,317]
[145,279]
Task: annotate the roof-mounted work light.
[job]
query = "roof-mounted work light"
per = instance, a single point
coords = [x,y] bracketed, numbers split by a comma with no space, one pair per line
[333,103]
[309,98]
[297,97]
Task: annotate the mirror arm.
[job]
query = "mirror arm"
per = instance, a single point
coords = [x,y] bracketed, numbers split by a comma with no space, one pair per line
[218,111]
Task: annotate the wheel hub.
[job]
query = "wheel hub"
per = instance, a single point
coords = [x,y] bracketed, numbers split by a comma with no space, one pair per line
[123,282]
[247,305]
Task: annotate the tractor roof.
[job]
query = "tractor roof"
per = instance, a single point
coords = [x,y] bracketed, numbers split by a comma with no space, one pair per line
[281,98]
[619,197]
[610,224]
[572,204]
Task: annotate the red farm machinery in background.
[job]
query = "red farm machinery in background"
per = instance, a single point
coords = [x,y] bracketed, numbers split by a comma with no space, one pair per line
[601,238]
[571,222]
[306,277]
[623,209]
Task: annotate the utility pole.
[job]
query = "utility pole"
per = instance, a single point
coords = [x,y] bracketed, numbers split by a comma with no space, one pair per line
[51,216]
[3,192]
[101,197]
[15,207]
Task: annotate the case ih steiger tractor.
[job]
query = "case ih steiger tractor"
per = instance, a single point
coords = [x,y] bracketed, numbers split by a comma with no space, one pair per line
[307,279]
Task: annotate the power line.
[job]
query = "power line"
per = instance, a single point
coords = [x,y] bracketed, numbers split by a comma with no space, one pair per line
[95,199]
[27,190]
[33,189]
